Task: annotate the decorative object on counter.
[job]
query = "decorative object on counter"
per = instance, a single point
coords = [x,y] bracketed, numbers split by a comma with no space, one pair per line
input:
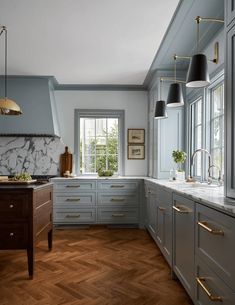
[179,157]
[136,152]
[136,136]
[66,163]
[105,173]
[7,106]
[172,176]
[22,178]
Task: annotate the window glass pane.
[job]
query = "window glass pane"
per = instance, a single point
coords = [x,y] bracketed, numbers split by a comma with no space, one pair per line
[198,114]
[198,137]
[216,133]
[89,127]
[217,101]
[101,127]
[99,144]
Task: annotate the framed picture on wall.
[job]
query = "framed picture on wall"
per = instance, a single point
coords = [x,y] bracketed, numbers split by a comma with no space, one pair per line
[136,136]
[136,152]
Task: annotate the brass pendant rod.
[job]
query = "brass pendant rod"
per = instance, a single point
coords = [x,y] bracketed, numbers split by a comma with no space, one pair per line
[199,19]
[170,79]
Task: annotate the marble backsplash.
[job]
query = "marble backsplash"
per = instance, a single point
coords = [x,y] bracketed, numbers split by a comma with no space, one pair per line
[33,154]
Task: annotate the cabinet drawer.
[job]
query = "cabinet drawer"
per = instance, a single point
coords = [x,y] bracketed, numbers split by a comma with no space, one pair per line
[13,236]
[210,288]
[118,215]
[117,199]
[86,199]
[74,186]
[74,216]
[215,236]
[43,196]
[14,206]
[117,185]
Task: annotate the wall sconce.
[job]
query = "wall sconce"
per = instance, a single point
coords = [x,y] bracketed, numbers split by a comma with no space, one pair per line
[7,106]
[198,75]
[160,108]
[175,95]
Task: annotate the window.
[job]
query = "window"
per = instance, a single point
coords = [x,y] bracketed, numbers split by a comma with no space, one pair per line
[98,141]
[196,132]
[206,128]
[217,128]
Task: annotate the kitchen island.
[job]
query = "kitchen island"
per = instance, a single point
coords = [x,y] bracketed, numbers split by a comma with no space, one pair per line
[25,217]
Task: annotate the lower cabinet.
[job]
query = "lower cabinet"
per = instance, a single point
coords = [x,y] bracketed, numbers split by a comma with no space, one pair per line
[85,201]
[183,242]
[159,218]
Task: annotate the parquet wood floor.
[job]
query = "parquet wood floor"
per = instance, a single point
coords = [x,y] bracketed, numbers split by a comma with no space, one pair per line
[96,266]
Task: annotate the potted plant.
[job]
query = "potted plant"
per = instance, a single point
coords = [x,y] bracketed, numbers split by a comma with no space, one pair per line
[179,157]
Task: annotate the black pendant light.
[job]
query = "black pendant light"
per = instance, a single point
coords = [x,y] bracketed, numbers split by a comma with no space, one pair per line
[198,75]
[160,108]
[7,106]
[175,95]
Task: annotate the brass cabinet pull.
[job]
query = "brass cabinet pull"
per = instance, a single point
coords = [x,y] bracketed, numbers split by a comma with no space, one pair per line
[11,234]
[117,199]
[118,215]
[73,216]
[11,206]
[161,209]
[73,199]
[76,185]
[200,281]
[117,185]
[179,210]
[205,226]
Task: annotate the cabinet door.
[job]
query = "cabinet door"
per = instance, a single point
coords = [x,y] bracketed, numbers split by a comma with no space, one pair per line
[151,207]
[230,113]
[183,242]
[230,11]
[164,223]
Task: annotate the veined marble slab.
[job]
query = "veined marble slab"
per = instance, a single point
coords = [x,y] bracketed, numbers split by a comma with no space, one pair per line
[35,155]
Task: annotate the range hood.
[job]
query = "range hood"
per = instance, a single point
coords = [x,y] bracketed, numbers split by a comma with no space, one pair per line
[35,95]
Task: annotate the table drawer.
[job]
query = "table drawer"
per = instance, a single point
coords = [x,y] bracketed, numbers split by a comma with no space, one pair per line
[13,236]
[87,199]
[74,186]
[210,288]
[74,216]
[118,215]
[117,185]
[14,206]
[215,236]
[115,199]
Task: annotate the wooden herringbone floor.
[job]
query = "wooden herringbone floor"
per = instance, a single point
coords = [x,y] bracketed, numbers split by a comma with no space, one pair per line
[96,266]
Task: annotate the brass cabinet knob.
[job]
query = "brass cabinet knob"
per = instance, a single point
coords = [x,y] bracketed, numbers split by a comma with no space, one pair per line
[11,206]
[11,234]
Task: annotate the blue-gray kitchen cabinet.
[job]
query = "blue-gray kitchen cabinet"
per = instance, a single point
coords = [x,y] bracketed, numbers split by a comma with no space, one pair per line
[164,223]
[151,209]
[183,242]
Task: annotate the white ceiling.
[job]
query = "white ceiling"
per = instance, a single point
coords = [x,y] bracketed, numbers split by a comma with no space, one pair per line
[84,41]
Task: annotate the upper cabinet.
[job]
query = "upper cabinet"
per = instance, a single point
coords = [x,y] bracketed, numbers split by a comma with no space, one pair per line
[230,99]
[230,11]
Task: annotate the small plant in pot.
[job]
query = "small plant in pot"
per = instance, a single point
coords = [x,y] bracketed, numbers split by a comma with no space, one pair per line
[179,157]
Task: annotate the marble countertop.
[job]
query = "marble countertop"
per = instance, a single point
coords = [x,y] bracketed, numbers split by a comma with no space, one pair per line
[210,195]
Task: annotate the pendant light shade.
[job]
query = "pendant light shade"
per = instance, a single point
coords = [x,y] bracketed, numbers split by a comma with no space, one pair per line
[175,96]
[7,106]
[160,110]
[198,75]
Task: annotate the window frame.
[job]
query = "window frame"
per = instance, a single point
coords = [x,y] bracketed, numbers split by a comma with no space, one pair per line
[205,94]
[99,113]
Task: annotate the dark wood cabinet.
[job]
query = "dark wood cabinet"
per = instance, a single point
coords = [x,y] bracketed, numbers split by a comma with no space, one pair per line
[25,218]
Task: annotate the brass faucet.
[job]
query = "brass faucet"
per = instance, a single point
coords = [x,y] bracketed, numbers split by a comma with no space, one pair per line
[192,162]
